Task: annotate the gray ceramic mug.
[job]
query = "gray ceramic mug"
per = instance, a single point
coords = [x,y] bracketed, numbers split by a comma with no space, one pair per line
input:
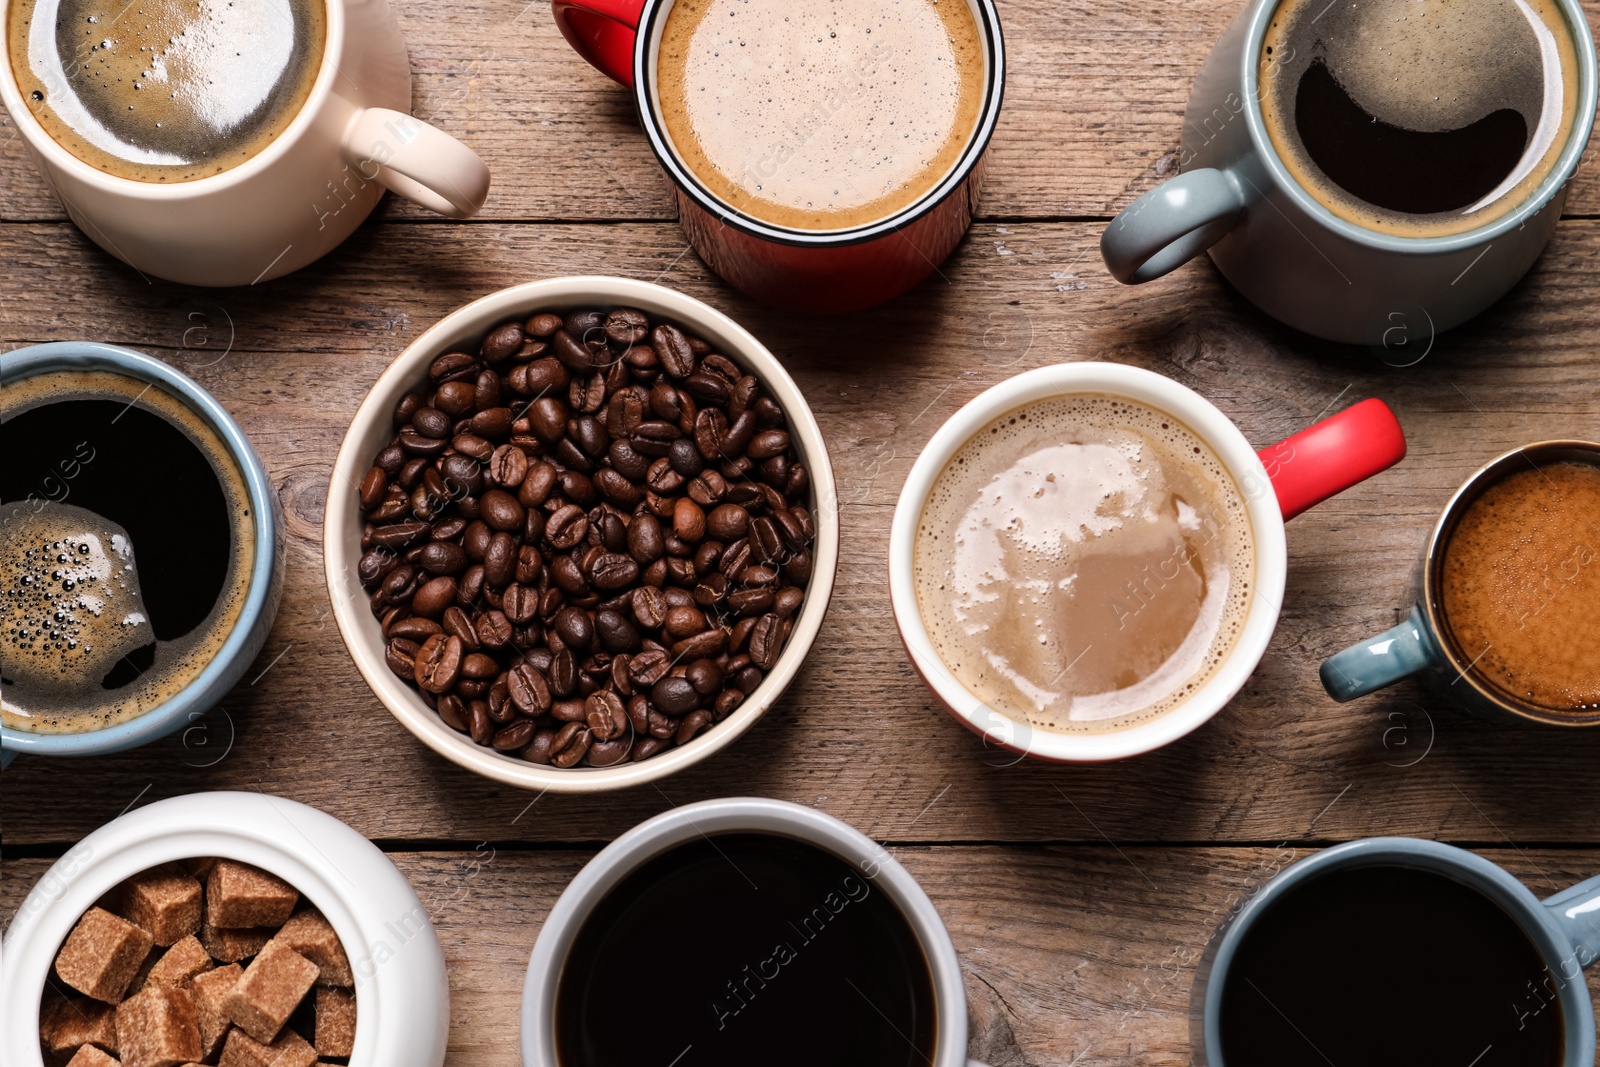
[249,633]
[1295,259]
[1423,644]
[1565,930]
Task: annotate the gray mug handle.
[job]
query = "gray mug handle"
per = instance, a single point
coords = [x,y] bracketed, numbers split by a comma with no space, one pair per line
[1370,665]
[1577,911]
[1171,224]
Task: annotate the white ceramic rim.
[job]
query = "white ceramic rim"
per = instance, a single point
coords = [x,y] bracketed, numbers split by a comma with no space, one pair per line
[57,156]
[361,893]
[371,428]
[1212,427]
[740,815]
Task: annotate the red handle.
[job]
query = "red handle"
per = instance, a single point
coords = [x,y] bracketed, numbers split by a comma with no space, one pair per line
[1330,456]
[603,32]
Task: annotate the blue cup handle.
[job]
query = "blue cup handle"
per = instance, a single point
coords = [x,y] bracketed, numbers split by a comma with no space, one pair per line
[6,756]
[1367,666]
[1577,911]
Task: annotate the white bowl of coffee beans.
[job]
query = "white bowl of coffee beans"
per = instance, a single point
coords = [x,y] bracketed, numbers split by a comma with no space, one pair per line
[581,534]
[223,928]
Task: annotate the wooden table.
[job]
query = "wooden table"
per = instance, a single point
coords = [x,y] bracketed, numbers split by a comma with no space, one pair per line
[1079,898]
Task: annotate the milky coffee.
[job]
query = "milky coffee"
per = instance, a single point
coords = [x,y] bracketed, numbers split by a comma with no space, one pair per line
[126,548]
[1419,118]
[165,90]
[1084,564]
[820,114]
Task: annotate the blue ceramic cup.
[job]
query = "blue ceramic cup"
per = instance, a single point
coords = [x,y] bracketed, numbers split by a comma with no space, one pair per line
[1565,930]
[1423,644]
[249,632]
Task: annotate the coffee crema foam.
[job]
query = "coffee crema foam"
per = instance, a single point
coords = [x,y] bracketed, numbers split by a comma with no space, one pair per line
[820,114]
[72,606]
[166,90]
[1419,118]
[1084,564]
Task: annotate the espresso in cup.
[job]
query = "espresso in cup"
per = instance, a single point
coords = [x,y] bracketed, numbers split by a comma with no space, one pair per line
[1389,966]
[1419,119]
[126,541]
[821,114]
[743,948]
[1083,564]
[1520,583]
[165,90]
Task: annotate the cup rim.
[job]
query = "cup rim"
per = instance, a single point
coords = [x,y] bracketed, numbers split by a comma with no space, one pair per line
[1432,600]
[1567,162]
[58,157]
[683,178]
[1483,876]
[467,324]
[285,837]
[226,666]
[1207,422]
[708,818]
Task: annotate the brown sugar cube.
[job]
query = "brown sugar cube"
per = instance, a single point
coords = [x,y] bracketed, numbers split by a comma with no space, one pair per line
[311,935]
[239,896]
[89,1056]
[289,1050]
[180,963]
[210,991]
[165,902]
[102,954]
[336,1022]
[269,991]
[68,1024]
[231,946]
[158,1028]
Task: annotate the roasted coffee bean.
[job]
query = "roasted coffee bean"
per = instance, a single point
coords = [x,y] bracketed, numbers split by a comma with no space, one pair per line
[725,703]
[674,696]
[528,689]
[458,623]
[431,422]
[693,723]
[628,461]
[750,601]
[564,673]
[570,745]
[682,621]
[653,438]
[569,578]
[746,679]
[768,443]
[673,349]
[616,489]
[608,753]
[765,541]
[575,627]
[502,342]
[787,601]
[530,565]
[605,715]
[638,708]
[537,484]
[401,662]
[649,607]
[374,564]
[470,587]
[616,633]
[420,445]
[433,597]
[493,423]
[766,640]
[493,629]
[688,521]
[705,676]
[588,394]
[373,487]
[453,711]
[452,366]
[646,747]
[415,628]
[758,577]
[500,559]
[577,487]
[508,466]
[455,398]
[627,326]
[613,572]
[520,604]
[442,557]
[797,568]
[711,590]
[728,522]
[712,642]
[567,527]
[708,388]
[478,666]
[708,489]
[515,736]
[547,417]
[502,511]
[624,413]
[735,558]
[438,663]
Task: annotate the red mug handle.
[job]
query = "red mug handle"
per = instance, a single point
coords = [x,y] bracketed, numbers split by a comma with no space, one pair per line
[1330,456]
[603,32]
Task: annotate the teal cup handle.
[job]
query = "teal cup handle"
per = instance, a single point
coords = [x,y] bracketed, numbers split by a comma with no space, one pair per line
[1171,224]
[1380,661]
[1577,912]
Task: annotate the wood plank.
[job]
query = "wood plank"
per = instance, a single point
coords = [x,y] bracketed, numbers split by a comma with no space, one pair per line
[858,734]
[1093,111]
[1071,955]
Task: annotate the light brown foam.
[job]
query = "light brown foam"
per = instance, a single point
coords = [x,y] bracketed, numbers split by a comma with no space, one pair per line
[1424,65]
[820,114]
[166,90]
[1084,564]
[1521,587]
[62,694]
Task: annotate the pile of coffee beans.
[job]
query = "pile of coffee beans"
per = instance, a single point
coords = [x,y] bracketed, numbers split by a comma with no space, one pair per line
[587,540]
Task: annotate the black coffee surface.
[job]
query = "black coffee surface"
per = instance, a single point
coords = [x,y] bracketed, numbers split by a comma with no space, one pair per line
[148,477]
[1389,967]
[745,949]
[1418,172]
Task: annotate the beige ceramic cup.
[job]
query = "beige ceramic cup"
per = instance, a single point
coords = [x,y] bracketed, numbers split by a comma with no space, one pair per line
[298,198]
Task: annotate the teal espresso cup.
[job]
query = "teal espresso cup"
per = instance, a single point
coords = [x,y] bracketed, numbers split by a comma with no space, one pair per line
[99,450]
[1460,667]
[1396,983]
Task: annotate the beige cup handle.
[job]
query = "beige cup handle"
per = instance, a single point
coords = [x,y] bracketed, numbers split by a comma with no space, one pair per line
[423,164]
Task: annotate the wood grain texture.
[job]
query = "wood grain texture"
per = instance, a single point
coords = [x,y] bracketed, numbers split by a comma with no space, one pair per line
[1081,955]
[857,734]
[1093,112]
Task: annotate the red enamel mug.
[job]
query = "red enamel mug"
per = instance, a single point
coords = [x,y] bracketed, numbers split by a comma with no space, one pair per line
[818,271]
